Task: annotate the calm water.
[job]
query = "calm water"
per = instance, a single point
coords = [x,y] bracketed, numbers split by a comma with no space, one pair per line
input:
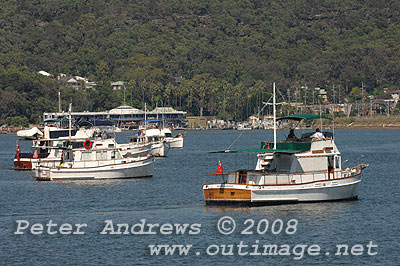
[174,196]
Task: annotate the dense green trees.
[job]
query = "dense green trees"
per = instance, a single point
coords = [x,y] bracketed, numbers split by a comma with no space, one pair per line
[227,52]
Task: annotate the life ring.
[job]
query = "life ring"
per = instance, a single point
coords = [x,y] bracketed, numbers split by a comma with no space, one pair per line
[87,144]
[266,144]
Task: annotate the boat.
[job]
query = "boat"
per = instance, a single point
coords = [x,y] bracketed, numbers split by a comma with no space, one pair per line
[305,169]
[175,142]
[95,161]
[153,136]
[45,145]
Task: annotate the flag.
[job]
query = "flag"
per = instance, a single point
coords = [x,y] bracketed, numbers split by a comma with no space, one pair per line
[220,169]
[17,153]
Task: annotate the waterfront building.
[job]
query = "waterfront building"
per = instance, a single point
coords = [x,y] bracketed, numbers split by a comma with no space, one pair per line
[122,115]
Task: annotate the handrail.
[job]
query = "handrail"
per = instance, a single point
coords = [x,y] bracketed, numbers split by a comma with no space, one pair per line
[291,178]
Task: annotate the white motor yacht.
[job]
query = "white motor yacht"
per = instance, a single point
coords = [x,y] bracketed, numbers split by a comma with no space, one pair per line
[153,136]
[305,169]
[175,142]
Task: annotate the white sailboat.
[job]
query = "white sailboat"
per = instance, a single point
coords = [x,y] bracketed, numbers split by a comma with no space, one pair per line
[306,169]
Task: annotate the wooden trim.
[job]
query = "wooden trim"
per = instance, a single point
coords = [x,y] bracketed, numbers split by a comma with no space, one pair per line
[328,148]
[22,165]
[317,151]
[226,194]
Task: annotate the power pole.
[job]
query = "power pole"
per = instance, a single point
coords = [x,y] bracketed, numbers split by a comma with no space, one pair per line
[370,100]
[388,108]
[333,88]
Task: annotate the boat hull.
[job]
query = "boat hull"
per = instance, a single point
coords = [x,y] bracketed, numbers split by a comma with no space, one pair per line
[175,143]
[160,149]
[327,190]
[22,164]
[133,169]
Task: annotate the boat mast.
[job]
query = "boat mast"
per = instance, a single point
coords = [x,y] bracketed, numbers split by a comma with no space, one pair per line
[145,112]
[274,108]
[59,102]
[70,122]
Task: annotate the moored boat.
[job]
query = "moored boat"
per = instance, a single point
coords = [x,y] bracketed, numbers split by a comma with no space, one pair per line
[175,142]
[305,169]
[153,136]
[95,161]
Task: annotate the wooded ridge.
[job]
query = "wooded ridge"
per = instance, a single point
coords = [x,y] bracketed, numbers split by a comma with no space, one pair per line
[204,57]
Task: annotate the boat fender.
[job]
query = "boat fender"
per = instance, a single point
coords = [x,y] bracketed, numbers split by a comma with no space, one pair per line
[87,144]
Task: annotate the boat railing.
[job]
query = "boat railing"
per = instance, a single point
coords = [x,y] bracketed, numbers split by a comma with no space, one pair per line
[270,178]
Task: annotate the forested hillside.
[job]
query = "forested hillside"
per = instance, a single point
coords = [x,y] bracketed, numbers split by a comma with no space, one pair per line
[227,52]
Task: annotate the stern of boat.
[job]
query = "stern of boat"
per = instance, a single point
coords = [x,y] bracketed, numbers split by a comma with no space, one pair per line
[226,188]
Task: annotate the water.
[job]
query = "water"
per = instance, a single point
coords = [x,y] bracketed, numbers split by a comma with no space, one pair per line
[175,196]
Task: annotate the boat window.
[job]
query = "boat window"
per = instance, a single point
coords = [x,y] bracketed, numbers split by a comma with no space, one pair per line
[59,145]
[115,155]
[330,164]
[168,134]
[77,144]
[337,162]
[86,156]
[111,145]
[101,155]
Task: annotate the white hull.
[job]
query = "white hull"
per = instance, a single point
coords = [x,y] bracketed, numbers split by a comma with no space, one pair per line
[130,169]
[327,190]
[175,143]
[160,149]
[318,191]
[133,150]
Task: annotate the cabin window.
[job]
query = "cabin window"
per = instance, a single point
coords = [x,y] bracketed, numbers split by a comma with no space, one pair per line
[59,145]
[77,144]
[337,162]
[330,164]
[115,155]
[101,155]
[86,156]
[111,145]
